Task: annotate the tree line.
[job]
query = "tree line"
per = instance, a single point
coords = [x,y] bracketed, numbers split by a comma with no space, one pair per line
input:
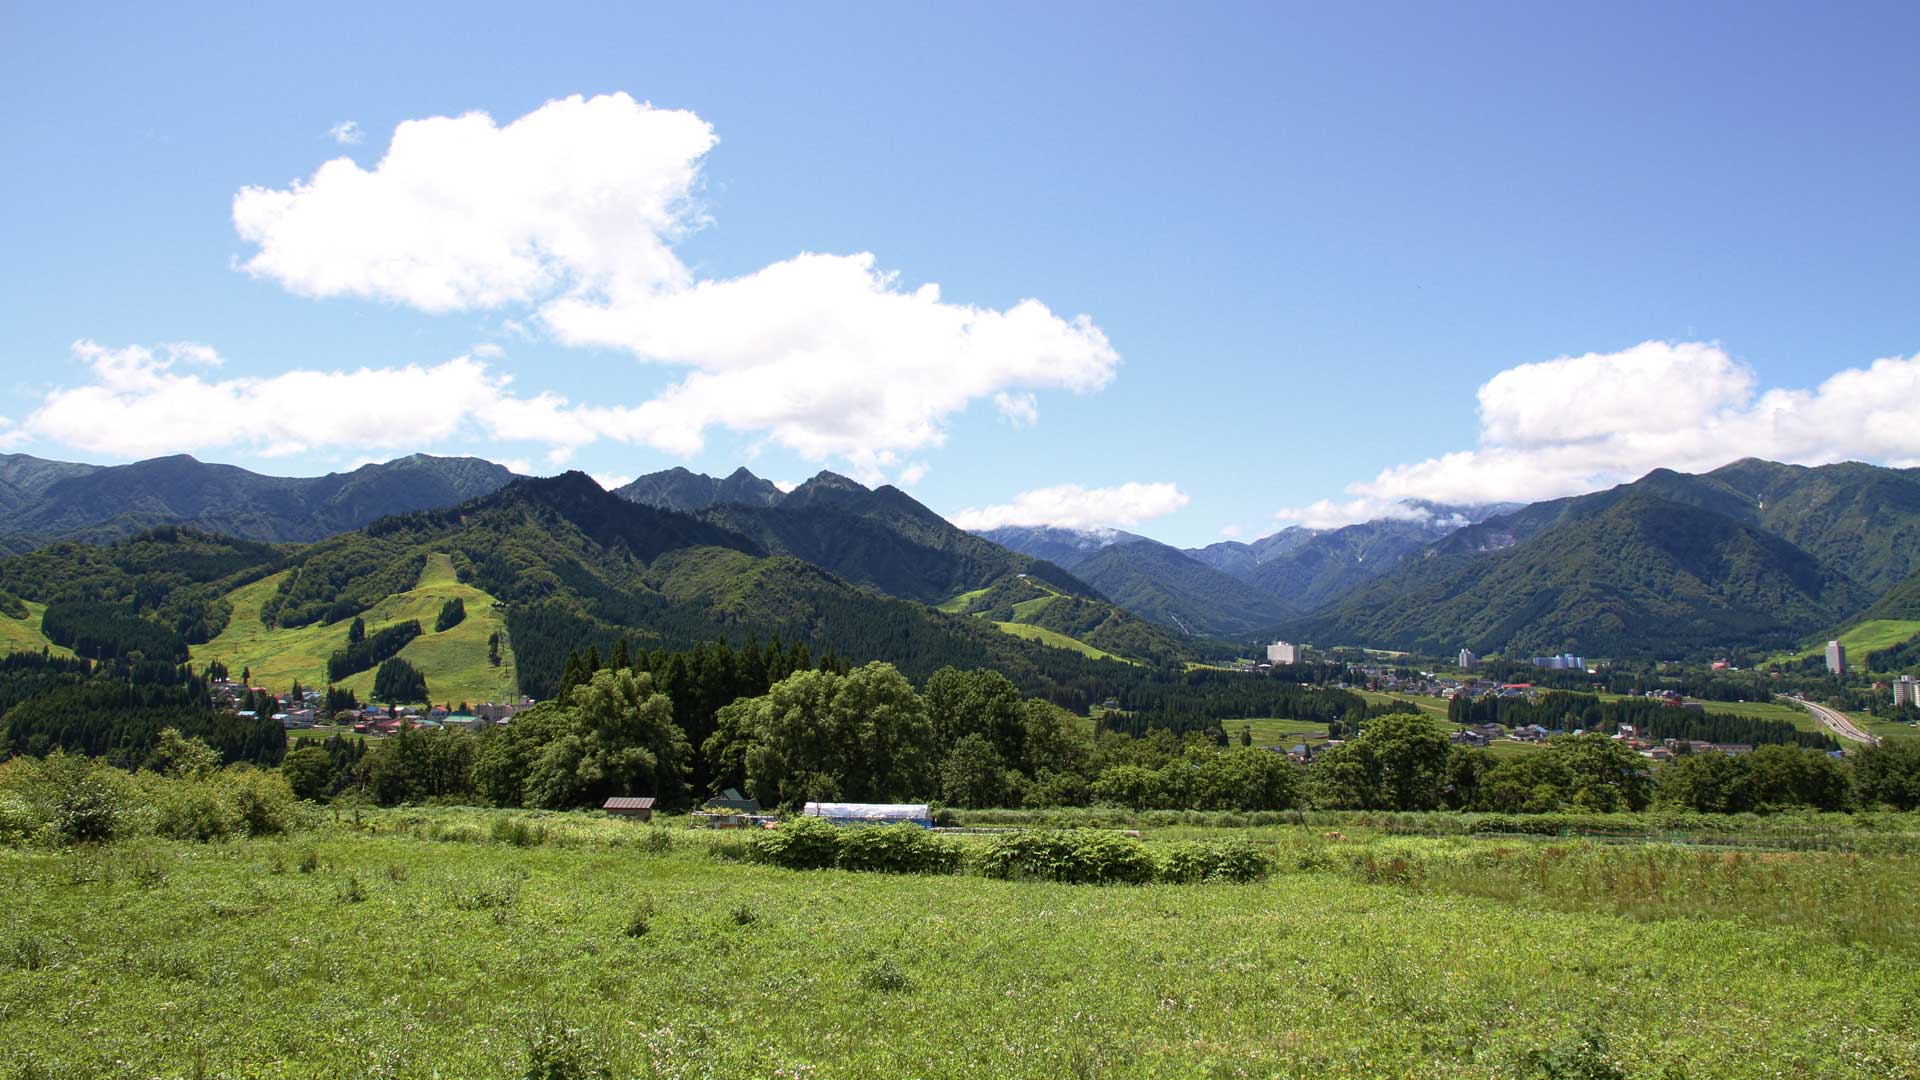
[1649,717]
[363,651]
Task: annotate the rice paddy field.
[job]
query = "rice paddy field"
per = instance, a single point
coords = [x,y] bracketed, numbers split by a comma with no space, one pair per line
[467,943]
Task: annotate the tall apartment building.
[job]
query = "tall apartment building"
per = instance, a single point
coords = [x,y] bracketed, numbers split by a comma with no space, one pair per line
[1466,659]
[1281,652]
[1906,690]
[1837,658]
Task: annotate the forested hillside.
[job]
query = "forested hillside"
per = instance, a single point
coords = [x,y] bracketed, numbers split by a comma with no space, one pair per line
[1169,587]
[46,501]
[1641,576]
[880,538]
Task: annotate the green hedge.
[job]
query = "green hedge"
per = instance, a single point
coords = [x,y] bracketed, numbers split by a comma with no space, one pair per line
[1079,857]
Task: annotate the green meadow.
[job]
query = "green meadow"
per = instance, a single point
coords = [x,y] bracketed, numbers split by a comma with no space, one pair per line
[455,660]
[1055,638]
[23,635]
[478,944]
[1863,638]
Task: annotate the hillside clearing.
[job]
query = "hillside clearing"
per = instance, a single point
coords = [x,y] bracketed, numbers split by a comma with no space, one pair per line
[24,635]
[1870,636]
[955,605]
[1057,640]
[455,661]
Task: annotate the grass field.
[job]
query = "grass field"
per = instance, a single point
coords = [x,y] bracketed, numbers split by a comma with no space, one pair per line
[1865,638]
[1057,640]
[1759,710]
[455,662]
[428,950]
[23,635]
[1026,610]
[1276,732]
[1428,706]
[956,604]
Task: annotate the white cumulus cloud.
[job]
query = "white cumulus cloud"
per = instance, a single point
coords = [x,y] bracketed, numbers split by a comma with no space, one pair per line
[142,401]
[1580,423]
[1070,506]
[572,213]
[461,213]
[609,482]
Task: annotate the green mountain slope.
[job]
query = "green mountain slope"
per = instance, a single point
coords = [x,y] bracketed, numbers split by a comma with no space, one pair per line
[880,538]
[455,660]
[45,501]
[1166,586]
[1637,574]
[1859,520]
[1327,566]
[1037,610]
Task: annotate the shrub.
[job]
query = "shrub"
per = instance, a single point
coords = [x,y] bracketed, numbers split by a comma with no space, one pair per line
[885,976]
[657,839]
[1582,1056]
[66,798]
[519,832]
[557,1052]
[801,844]
[1214,860]
[1092,858]
[640,920]
[898,849]
[187,810]
[241,800]
[262,800]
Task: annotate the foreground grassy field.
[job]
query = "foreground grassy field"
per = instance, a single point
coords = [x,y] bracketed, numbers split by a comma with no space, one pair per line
[455,661]
[23,635]
[429,949]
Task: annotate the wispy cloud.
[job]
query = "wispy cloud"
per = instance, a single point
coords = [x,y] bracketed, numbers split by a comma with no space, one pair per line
[346,133]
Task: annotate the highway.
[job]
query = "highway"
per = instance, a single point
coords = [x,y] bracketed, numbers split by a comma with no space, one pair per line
[1837,723]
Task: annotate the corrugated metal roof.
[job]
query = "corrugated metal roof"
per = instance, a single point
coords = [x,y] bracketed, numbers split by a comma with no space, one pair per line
[623,803]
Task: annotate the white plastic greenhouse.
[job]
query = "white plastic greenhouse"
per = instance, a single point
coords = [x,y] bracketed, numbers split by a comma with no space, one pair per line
[850,813]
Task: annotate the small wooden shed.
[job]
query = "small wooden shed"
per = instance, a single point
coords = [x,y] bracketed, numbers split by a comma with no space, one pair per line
[623,806]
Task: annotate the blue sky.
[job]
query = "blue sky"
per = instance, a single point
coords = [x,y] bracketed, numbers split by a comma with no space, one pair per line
[1327,258]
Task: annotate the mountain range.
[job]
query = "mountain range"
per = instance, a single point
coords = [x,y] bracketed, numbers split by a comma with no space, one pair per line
[56,500]
[1754,554]
[1235,589]
[567,565]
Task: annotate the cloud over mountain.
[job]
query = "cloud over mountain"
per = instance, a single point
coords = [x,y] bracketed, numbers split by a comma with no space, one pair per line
[1070,506]
[572,213]
[1579,423]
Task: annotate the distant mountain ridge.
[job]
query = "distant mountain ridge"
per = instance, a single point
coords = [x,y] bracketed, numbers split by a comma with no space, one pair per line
[1753,553]
[51,500]
[1237,589]
[681,489]
[571,565]
[879,537]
